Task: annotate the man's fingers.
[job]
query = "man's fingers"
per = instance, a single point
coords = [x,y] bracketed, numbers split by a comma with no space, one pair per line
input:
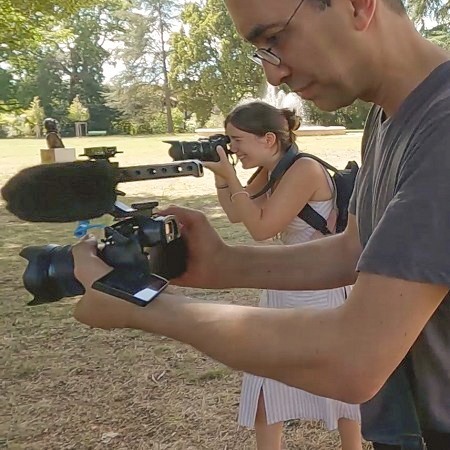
[87,265]
[186,216]
[87,245]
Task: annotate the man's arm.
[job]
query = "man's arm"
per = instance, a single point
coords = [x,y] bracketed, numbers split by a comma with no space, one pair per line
[321,264]
[345,353]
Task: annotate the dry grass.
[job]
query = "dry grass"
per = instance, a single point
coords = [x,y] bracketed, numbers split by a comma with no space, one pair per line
[67,387]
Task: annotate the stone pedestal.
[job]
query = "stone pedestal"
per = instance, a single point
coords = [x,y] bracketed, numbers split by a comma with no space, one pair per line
[56,155]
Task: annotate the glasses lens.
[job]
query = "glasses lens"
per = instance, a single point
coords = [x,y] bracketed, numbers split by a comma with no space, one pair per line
[256,59]
[268,56]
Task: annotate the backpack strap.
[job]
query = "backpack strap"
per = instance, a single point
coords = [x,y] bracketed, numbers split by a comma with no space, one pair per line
[314,219]
[310,215]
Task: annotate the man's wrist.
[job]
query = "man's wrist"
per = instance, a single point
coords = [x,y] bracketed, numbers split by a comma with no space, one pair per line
[155,317]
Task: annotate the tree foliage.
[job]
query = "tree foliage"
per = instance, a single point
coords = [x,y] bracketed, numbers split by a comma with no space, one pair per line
[57,50]
[209,61]
[35,113]
[144,52]
[77,112]
[432,18]
[137,103]
[25,25]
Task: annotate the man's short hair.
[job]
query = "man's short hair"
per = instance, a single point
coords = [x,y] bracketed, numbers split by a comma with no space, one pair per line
[394,5]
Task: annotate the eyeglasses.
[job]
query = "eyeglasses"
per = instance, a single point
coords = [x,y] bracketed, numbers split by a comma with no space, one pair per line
[265,54]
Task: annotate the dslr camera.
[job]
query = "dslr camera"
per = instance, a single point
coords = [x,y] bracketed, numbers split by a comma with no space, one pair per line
[204,149]
[144,250]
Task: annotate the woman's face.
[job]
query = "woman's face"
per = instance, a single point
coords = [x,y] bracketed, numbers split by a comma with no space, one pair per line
[251,150]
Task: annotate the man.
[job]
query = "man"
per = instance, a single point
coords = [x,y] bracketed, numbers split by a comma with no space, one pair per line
[396,248]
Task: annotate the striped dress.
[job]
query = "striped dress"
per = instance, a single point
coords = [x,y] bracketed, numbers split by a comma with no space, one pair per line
[283,402]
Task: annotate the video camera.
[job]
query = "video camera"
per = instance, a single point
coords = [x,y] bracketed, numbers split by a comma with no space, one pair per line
[144,249]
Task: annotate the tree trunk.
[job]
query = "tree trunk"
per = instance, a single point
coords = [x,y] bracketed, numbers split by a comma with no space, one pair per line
[167,99]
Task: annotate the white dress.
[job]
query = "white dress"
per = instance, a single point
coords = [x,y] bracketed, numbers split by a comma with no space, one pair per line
[283,402]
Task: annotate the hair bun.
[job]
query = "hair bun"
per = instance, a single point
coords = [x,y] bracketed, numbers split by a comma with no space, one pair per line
[293,120]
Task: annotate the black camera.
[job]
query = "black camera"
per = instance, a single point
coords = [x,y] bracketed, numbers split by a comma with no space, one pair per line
[203,149]
[139,245]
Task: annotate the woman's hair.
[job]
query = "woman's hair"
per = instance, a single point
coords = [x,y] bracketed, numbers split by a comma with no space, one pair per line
[259,118]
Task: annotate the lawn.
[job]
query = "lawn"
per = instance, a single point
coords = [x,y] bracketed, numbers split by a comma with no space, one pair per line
[68,387]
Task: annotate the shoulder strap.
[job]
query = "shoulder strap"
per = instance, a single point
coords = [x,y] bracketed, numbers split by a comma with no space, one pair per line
[319,160]
[280,169]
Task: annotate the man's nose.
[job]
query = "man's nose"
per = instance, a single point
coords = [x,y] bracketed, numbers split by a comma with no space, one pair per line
[276,75]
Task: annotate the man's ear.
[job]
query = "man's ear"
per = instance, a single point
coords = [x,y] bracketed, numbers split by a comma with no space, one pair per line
[363,12]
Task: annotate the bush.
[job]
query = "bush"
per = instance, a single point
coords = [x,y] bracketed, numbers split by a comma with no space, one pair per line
[352,117]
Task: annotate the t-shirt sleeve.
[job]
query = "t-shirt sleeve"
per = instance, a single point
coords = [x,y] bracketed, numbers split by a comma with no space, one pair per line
[412,239]
[371,120]
[352,202]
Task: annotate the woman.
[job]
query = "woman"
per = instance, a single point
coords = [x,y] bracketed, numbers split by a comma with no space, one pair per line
[260,134]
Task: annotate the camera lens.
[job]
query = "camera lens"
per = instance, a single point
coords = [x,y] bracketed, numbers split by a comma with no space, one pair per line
[49,274]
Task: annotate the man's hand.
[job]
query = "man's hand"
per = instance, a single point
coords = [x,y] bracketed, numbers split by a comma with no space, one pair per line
[206,250]
[95,308]
[88,267]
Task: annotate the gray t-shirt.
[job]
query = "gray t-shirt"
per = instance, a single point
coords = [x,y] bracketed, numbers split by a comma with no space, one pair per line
[402,204]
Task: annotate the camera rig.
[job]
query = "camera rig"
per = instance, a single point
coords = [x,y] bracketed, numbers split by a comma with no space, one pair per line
[139,242]
[190,167]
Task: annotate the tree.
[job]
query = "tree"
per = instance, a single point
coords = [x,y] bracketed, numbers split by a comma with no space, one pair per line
[8,101]
[68,66]
[145,50]
[77,112]
[209,62]
[35,116]
[137,103]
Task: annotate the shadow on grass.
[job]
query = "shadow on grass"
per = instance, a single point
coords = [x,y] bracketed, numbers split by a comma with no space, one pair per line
[71,387]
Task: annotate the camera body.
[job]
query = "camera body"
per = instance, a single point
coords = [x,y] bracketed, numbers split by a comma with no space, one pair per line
[137,246]
[203,149]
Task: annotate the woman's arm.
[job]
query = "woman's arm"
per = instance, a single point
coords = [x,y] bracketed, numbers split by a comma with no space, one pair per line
[304,181]
[298,186]
[224,194]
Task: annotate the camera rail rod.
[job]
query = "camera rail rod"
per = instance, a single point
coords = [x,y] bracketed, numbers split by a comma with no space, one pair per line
[158,171]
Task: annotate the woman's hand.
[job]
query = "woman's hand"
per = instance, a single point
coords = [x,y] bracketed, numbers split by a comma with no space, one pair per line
[223,168]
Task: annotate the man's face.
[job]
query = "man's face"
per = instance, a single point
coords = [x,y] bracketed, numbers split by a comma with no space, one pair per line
[321,51]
